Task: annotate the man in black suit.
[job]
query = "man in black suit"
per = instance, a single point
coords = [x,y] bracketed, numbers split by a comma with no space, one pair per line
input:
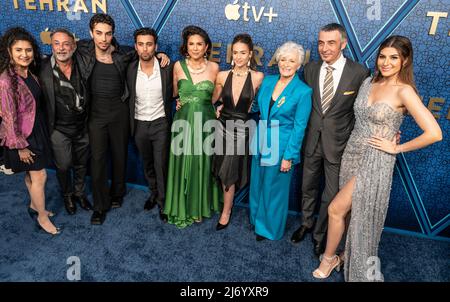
[65,103]
[335,81]
[151,89]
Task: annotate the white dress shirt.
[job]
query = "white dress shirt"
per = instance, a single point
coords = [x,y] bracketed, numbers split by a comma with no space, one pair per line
[337,73]
[149,104]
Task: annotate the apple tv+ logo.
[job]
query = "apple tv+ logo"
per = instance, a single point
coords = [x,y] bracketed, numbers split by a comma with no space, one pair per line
[232,12]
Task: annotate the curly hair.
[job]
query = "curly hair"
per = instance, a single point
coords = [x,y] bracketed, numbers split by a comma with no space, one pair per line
[102,18]
[191,30]
[8,40]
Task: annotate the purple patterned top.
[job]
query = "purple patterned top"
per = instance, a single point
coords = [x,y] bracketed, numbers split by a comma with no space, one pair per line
[17,119]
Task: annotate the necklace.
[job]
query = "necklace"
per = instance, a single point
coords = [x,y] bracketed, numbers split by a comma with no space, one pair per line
[196,71]
[240,74]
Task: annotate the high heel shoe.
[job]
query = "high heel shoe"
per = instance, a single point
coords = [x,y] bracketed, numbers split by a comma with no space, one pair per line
[33,213]
[40,228]
[220,226]
[333,262]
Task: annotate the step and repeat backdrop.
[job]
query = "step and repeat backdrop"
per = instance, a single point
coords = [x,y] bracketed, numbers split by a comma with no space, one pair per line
[420,199]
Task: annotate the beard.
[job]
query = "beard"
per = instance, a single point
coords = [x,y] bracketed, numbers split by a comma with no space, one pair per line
[146,57]
[64,57]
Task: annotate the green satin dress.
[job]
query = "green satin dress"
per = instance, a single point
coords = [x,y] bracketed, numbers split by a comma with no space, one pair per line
[192,192]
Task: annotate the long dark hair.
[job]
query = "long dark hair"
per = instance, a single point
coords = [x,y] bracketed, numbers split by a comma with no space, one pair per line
[404,47]
[194,30]
[247,40]
[10,37]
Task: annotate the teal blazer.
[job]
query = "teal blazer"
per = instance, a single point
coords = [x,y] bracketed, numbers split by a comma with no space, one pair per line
[280,134]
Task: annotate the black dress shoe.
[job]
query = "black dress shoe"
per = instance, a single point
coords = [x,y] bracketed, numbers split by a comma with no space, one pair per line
[70,205]
[260,238]
[299,234]
[162,216]
[150,203]
[318,248]
[98,217]
[116,202]
[83,202]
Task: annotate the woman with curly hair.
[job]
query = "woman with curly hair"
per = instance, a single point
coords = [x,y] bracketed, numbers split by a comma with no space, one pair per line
[23,134]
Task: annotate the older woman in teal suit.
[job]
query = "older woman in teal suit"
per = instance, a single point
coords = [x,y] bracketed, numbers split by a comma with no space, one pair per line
[284,103]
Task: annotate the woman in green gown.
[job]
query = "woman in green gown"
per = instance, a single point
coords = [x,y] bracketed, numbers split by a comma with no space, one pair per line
[192,192]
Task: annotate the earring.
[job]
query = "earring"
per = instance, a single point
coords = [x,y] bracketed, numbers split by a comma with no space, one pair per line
[232,62]
[248,63]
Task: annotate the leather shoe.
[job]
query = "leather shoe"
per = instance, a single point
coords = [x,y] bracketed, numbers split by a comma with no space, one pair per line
[299,234]
[98,217]
[83,202]
[150,203]
[162,216]
[318,248]
[70,205]
[116,202]
[260,238]
[220,226]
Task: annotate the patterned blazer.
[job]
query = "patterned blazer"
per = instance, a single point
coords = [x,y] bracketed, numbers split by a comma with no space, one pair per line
[17,119]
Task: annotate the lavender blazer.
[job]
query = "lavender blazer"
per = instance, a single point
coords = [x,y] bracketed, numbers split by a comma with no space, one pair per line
[17,119]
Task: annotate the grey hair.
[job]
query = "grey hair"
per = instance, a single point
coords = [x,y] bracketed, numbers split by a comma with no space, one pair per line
[289,47]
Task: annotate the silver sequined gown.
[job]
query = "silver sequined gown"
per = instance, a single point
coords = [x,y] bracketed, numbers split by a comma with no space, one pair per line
[373,170]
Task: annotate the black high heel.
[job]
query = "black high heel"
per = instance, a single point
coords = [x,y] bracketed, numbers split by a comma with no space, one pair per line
[220,226]
[33,213]
[40,228]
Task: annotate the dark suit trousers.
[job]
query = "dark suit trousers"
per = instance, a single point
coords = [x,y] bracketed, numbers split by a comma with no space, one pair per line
[312,171]
[152,140]
[68,153]
[109,131]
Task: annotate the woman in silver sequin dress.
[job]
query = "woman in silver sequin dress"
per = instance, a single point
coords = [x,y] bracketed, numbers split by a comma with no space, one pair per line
[367,164]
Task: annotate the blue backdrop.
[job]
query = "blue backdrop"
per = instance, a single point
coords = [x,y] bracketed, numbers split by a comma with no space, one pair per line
[421,187]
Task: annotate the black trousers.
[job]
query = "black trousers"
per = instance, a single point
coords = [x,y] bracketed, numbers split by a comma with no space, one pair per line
[70,154]
[108,134]
[313,167]
[152,140]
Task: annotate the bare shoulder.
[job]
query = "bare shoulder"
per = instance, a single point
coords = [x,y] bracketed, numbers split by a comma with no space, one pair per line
[214,66]
[407,93]
[257,78]
[177,65]
[221,76]
[257,75]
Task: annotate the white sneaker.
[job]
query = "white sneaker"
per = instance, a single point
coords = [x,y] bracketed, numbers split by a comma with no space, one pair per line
[6,171]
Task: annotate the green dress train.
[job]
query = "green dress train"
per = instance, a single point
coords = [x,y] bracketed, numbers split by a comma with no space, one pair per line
[192,192]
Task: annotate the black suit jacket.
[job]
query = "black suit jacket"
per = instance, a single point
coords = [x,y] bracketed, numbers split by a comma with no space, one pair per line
[48,91]
[167,90]
[333,128]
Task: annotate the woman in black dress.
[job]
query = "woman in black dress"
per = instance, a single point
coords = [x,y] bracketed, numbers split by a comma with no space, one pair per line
[235,89]
[23,132]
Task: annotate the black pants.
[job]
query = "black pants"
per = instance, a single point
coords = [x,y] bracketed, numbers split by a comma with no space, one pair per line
[70,153]
[109,131]
[152,140]
[312,172]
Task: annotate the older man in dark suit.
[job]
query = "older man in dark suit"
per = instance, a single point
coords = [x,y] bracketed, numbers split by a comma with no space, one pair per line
[335,81]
